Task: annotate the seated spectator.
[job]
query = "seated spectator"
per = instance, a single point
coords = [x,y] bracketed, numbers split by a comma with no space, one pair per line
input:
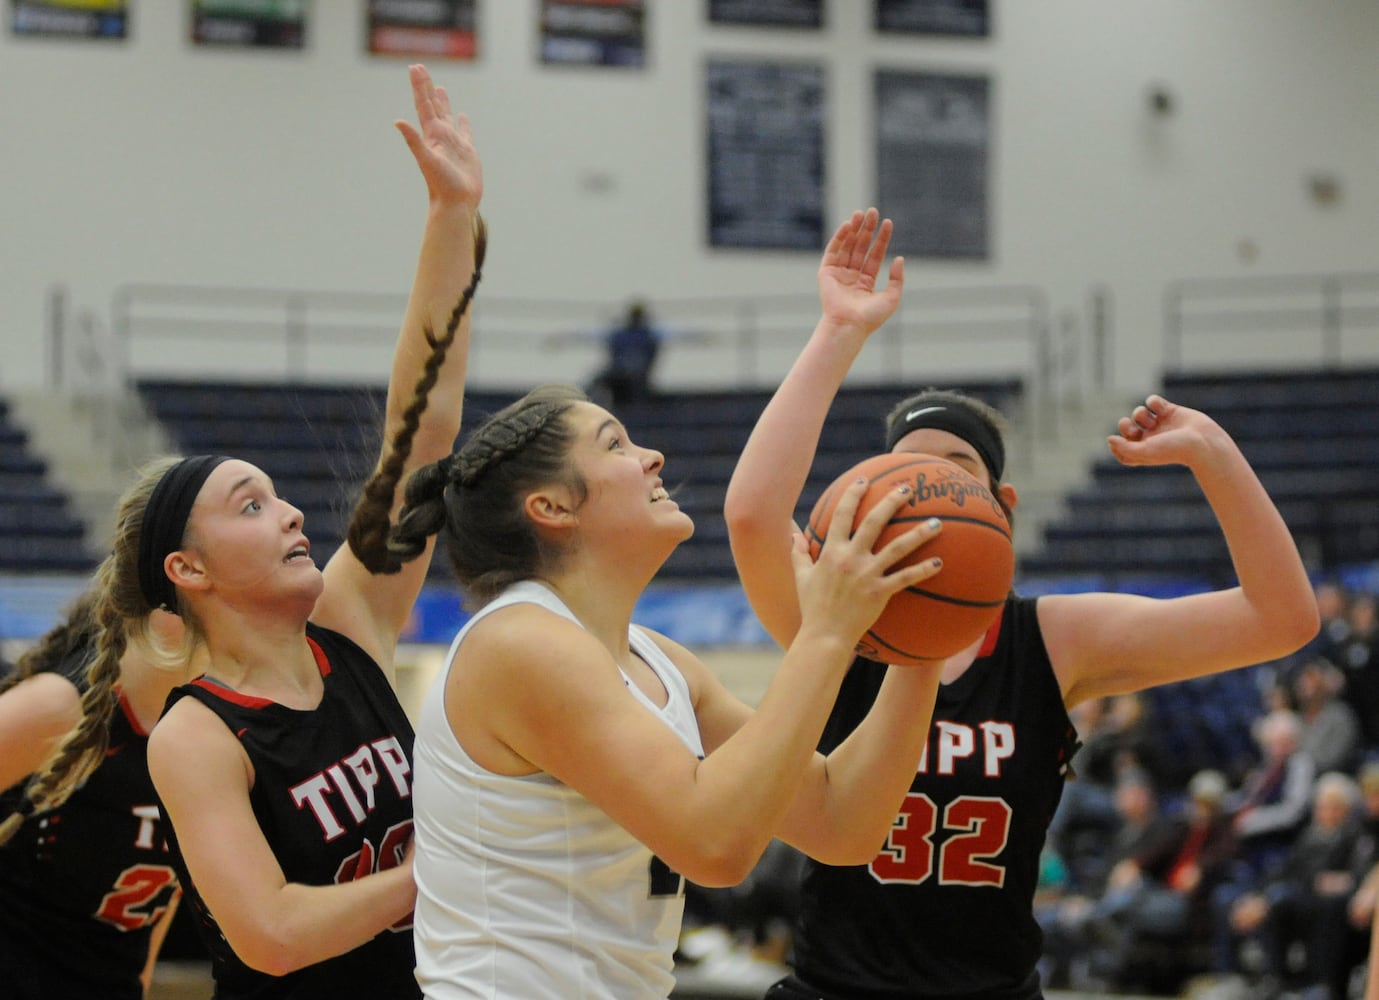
[1359,663]
[1295,910]
[1330,730]
[1333,607]
[1271,805]
[1086,818]
[1158,898]
[1077,924]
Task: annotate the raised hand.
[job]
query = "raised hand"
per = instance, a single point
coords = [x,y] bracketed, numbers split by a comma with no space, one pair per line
[442,144]
[1158,432]
[847,275]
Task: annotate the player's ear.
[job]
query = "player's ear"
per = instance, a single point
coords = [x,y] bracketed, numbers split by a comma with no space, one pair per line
[1008,496]
[550,508]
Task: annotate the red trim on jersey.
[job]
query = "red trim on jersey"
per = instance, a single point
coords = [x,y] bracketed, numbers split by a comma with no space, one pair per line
[129,714]
[322,661]
[226,694]
[992,634]
[252,701]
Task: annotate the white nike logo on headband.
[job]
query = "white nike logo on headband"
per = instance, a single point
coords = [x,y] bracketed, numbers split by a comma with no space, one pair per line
[921,411]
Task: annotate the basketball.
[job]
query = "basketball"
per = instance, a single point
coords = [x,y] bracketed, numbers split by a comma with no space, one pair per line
[952,609]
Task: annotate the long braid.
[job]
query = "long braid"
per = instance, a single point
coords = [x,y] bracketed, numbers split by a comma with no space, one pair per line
[367,534]
[503,436]
[118,605]
[83,748]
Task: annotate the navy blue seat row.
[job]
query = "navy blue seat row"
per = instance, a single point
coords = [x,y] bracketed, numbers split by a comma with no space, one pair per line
[318,443]
[1285,391]
[38,532]
[1313,439]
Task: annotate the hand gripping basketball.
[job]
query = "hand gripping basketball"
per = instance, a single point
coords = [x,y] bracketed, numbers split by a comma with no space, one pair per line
[948,611]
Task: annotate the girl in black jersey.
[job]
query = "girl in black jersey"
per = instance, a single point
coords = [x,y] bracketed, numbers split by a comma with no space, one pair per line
[945,908]
[285,771]
[87,889]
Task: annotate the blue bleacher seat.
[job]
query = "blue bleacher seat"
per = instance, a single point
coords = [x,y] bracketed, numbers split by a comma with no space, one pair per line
[1311,436]
[319,442]
[38,532]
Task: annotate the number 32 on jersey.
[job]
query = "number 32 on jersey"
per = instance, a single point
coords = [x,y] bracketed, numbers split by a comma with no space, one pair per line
[977,829]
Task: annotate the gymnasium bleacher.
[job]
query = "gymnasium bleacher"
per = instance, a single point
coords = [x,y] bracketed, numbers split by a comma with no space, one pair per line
[38,532]
[318,443]
[1313,438]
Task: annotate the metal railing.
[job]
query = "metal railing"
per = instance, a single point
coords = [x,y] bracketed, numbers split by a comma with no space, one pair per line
[1328,320]
[296,335]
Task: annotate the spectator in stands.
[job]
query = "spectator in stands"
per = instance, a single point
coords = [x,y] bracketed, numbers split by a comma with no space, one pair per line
[907,923]
[1333,605]
[1330,731]
[1086,817]
[1358,658]
[557,726]
[74,921]
[1162,891]
[1303,901]
[1271,805]
[1085,922]
[1350,929]
[284,772]
[632,347]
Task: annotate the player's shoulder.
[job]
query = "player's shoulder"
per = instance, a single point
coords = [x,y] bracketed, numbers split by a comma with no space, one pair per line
[524,628]
[186,722]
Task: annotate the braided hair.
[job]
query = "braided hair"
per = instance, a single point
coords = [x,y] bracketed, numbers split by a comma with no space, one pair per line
[476,495]
[103,621]
[367,534]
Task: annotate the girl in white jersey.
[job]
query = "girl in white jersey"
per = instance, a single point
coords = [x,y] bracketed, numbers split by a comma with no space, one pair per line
[571,768]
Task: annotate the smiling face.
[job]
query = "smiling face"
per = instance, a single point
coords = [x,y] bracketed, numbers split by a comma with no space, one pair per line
[625,503]
[244,545]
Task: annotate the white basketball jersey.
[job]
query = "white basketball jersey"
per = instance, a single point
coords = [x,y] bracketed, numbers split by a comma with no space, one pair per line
[525,889]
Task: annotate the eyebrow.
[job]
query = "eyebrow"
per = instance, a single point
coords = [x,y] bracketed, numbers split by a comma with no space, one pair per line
[246,481]
[612,422]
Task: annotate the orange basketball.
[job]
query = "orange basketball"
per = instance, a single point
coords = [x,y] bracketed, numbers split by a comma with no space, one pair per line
[953,608]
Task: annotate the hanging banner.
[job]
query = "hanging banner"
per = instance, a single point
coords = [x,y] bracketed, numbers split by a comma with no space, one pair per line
[769,13]
[593,32]
[765,155]
[931,162]
[422,29]
[70,18]
[970,18]
[249,24]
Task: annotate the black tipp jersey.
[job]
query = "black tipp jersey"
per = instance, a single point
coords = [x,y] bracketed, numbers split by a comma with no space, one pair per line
[946,908]
[83,885]
[333,795]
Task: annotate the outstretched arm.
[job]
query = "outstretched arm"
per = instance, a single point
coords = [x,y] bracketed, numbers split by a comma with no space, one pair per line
[771,474]
[372,610]
[1105,644]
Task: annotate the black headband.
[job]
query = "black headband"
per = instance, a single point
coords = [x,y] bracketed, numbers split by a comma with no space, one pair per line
[164,523]
[955,419]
